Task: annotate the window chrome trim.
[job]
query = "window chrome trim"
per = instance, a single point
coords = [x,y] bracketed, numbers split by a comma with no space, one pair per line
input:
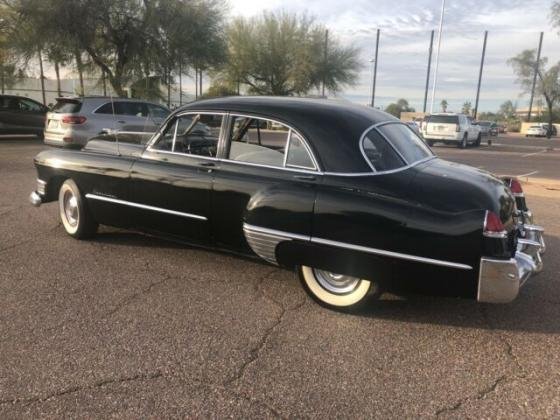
[360,248]
[145,207]
[376,128]
[290,129]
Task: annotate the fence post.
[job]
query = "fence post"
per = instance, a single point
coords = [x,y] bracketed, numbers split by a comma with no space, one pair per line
[42,75]
[480,74]
[535,77]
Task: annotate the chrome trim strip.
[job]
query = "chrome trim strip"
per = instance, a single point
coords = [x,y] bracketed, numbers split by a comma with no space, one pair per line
[145,207]
[403,168]
[391,254]
[359,248]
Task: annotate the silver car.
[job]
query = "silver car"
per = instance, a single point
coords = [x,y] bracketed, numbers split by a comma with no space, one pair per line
[75,120]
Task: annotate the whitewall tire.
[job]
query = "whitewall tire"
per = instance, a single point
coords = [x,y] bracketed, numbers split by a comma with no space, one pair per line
[74,213]
[337,290]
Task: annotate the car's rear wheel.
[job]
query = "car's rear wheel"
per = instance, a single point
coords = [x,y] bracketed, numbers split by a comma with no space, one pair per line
[479,140]
[430,143]
[74,212]
[463,144]
[337,290]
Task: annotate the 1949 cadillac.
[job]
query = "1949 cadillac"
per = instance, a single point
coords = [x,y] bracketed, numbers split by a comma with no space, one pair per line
[348,196]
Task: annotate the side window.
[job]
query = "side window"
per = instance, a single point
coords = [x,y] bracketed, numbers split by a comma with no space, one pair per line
[254,140]
[157,111]
[379,152]
[27,105]
[192,134]
[105,109]
[298,156]
[133,109]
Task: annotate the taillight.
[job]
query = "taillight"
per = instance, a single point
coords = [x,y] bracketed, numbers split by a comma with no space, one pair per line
[457,128]
[493,226]
[74,119]
[515,187]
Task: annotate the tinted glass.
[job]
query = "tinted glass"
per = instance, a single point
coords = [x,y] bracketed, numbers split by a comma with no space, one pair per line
[157,111]
[444,119]
[407,143]
[29,105]
[258,141]
[67,107]
[380,153]
[298,156]
[105,109]
[133,109]
[192,134]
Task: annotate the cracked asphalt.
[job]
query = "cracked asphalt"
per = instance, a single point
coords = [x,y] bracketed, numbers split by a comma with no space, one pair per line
[130,326]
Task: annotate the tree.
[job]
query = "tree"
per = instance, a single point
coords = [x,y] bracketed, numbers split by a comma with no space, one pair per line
[467,107]
[444,104]
[548,80]
[284,54]
[508,110]
[397,108]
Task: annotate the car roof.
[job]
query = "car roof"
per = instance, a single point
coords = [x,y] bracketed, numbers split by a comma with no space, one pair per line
[333,128]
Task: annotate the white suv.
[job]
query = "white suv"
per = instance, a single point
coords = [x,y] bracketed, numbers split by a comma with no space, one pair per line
[451,129]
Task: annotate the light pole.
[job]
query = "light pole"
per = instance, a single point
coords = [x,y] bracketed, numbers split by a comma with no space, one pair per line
[374,61]
[437,55]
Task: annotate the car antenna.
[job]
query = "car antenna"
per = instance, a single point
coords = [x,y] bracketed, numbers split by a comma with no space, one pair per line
[115,131]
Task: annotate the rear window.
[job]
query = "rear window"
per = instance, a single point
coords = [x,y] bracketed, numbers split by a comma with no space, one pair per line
[67,107]
[411,147]
[379,153]
[444,119]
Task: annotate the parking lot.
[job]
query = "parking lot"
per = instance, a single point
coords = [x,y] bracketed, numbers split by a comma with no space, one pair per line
[133,326]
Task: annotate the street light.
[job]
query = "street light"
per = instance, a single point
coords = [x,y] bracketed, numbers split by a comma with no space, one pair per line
[437,55]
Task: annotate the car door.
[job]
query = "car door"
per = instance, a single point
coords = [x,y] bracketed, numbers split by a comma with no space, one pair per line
[266,179]
[172,181]
[32,115]
[133,117]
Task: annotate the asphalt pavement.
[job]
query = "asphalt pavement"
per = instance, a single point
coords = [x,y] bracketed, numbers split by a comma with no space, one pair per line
[126,325]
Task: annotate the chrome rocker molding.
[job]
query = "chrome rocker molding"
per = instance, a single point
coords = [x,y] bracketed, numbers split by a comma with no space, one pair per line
[145,207]
[499,281]
[263,242]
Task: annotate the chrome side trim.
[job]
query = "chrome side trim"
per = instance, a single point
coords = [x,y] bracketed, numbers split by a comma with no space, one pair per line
[145,207]
[391,254]
[41,186]
[263,241]
[375,251]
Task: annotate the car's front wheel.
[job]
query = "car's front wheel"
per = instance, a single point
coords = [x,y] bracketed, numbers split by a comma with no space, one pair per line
[74,213]
[337,290]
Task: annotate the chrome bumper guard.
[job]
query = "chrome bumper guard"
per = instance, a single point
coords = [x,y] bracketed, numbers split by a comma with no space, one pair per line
[499,281]
[35,199]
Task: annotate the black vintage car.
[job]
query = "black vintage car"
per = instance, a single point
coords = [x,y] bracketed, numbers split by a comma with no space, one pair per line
[349,196]
[19,115]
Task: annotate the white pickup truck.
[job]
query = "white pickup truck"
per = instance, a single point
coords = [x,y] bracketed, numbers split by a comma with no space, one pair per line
[451,129]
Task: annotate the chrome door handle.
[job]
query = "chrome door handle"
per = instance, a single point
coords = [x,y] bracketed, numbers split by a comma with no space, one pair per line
[305,177]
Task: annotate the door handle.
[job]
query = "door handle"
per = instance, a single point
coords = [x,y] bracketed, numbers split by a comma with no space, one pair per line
[305,177]
[208,164]
[121,122]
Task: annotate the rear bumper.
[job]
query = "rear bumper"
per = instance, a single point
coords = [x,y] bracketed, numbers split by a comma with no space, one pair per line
[499,281]
[68,138]
[443,137]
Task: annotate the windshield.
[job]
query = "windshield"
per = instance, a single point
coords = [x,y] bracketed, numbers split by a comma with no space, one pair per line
[485,123]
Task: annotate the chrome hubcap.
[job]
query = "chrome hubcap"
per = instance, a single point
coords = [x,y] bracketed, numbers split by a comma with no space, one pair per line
[336,283]
[70,206]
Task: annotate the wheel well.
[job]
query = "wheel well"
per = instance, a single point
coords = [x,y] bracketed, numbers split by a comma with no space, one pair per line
[54,186]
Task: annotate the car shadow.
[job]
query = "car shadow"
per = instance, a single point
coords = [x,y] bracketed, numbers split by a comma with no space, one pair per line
[536,309]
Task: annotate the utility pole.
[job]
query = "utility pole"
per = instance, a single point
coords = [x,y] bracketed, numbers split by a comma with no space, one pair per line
[375,69]
[480,74]
[535,77]
[104,82]
[428,72]
[325,55]
[195,83]
[200,82]
[440,30]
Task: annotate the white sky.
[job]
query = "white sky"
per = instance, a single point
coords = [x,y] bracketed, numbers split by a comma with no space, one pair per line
[405,25]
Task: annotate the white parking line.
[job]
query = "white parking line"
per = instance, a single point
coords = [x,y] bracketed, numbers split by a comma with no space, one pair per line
[535,153]
[527,175]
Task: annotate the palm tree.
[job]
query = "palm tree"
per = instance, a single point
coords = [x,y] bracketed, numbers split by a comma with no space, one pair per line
[444,105]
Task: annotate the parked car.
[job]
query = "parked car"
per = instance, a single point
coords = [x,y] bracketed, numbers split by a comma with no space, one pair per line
[20,115]
[348,196]
[451,129]
[536,131]
[553,131]
[75,120]
[502,128]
